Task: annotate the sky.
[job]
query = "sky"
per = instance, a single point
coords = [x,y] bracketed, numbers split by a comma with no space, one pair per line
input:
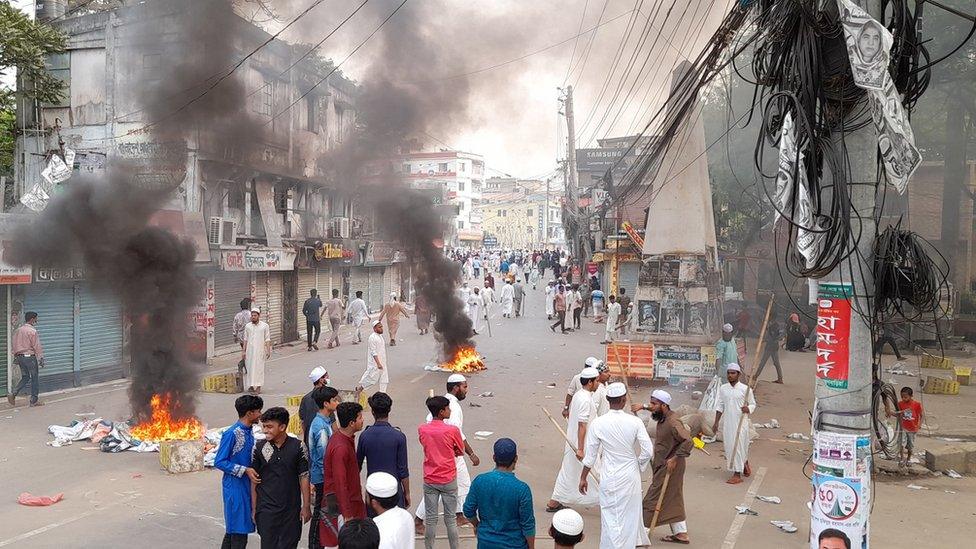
[516,55]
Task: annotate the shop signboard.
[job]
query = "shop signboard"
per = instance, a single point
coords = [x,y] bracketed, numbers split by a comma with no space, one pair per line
[833,334]
[12,274]
[677,360]
[257,260]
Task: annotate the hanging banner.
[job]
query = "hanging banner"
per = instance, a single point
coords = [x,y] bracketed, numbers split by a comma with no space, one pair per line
[837,505]
[833,334]
[783,199]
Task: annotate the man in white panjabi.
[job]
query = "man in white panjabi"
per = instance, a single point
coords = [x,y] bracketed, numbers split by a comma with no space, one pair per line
[257,350]
[476,309]
[620,440]
[394,523]
[582,410]
[464,293]
[488,298]
[377,370]
[599,394]
[550,299]
[360,314]
[508,299]
[729,408]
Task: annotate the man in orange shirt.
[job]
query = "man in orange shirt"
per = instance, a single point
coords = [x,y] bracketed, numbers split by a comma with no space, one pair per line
[29,355]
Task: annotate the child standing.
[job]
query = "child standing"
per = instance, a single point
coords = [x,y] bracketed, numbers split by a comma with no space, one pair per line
[910,412]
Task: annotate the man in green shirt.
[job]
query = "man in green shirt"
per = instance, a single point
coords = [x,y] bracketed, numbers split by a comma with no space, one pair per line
[726,352]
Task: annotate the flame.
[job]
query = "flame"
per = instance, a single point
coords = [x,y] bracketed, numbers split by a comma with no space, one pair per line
[465,359]
[164,427]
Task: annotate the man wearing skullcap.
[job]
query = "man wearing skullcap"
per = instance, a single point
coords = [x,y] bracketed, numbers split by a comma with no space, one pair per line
[499,505]
[257,350]
[567,529]
[734,400]
[376,365]
[599,395]
[672,445]
[582,410]
[391,312]
[395,523]
[726,352]
[613,438]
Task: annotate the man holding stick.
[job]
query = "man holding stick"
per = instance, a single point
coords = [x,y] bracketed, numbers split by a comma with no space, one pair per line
[735,402]
[664,502]
[614,438]
[582,410]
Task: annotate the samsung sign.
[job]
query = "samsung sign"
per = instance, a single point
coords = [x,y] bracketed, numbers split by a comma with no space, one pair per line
[597,160]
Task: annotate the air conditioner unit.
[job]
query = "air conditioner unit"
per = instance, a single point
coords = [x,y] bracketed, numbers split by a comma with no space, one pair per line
[223,231]
[340,227]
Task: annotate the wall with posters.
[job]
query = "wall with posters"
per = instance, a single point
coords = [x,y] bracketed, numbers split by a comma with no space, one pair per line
[678,296]
[841,486]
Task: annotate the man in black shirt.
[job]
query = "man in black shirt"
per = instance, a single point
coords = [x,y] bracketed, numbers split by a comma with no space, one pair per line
[312,309]
[282,496]
[307,408]
[771,350]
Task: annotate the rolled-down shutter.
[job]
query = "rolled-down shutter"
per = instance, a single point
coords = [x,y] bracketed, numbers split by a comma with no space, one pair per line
[307,280]
[628,277]
[229,289]
[377,295]
[359,282]
[4,353]
[273,317]
[100,325]
[54,305]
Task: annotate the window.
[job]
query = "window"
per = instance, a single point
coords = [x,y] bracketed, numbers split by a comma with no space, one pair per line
[460,224]
[312,114]
[504,213]
[461,167]
[528,213]
[442,167]
[340,123]
[266,99]
[461,186]
[281,199]
[59,66]
[461,206]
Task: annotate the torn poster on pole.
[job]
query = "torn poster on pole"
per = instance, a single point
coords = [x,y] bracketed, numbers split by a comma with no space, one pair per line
[809,234]
[59,169]
[783,198]
[869,51]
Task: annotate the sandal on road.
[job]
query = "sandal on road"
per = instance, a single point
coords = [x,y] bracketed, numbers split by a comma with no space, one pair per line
[675,539]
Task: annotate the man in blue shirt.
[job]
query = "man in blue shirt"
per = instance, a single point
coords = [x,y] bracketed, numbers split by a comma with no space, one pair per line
[726,352]
[234,459]
[327,399]
[384,448]
[499,505]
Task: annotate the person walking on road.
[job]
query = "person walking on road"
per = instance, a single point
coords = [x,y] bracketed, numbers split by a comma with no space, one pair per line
[732,404]
[257,350]
[383,448]
[392,312]
[335,309]
[508,299]
[360,314]
[281,495]
[476,308]
[518,295]
[29,355]
[771,350]
[376,365]
[421,309]
[587,294]
[620,440]
[312,309]
[559,306]
[672,446]
[499,505]
[550,299]
[581,411]
[240,321]
[233,458]
[577,308]
[887,336]
[726,352]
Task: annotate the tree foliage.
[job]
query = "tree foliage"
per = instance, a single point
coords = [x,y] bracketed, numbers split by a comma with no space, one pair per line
[24,45]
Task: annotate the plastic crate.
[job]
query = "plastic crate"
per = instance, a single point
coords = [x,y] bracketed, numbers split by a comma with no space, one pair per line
[937,362]
[295,422]
[940,386]
[222,383]
[295,400]
[963,375]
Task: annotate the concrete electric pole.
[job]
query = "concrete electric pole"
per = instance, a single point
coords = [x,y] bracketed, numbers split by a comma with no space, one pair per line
[572,191]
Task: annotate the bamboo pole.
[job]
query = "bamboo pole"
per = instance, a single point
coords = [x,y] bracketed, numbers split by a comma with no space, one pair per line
[565,437]
[752,375]
[660,500]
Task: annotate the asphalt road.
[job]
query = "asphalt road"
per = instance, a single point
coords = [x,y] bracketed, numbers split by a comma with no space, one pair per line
[126,500]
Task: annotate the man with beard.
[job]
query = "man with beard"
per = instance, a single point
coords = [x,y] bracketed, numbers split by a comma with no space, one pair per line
[672,445]
[734,400]
[257,350]
[614,438]
[457,390]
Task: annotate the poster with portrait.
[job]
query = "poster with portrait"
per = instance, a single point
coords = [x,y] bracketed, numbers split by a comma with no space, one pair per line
[783,199]
[672,318]
[650,273]
[868,46]
[838,505]
[696,318]
[896,140]
[809,235]
[648,314]
[670,272]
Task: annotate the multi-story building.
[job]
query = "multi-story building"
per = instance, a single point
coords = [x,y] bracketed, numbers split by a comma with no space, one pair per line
[462,176]
[269,216]
[516,213]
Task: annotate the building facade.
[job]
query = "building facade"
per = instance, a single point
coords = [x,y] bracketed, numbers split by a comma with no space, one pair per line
[462,177]
[521,213]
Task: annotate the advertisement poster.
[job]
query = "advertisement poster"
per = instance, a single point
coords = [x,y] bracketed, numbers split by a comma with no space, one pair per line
[835,454]
[837,505]
[833,334]
[12,274]
[677,360]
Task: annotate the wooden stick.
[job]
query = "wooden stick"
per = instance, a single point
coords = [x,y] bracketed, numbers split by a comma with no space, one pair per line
[752,375]
[565,437]
[660,500]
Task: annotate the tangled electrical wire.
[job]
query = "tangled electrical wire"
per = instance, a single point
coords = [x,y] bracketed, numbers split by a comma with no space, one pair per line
[909,284]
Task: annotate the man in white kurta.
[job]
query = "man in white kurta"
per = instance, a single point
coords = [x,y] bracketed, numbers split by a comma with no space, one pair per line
[377,368]
[464,292]
[488,298]
[582,410]
[613,317]
[394,523]
[734,400]
[620,441]
[599,395]
[360,314]
[257,350]
[508,299]
[550,299]
[476,309]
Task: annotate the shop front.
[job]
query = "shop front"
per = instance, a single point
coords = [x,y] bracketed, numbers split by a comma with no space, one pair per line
[325,266]
[272,286]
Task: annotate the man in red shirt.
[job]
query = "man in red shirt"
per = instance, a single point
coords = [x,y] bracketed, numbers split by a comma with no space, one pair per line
[341,488]
[442,443]
[910,414]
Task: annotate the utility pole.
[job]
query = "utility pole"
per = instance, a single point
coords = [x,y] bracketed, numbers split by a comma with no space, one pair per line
[572,191]
[843,400]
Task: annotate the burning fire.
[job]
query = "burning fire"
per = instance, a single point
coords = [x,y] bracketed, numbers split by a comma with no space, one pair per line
[164,427]
[465,359]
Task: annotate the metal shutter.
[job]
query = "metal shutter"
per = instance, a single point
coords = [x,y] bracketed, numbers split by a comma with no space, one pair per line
[307,280]
[377,295]
[628,278]
[100,327]
[54,305]
[359,282]
[3,340]
[229,289]
[334,275]
[273,317]
[391,281]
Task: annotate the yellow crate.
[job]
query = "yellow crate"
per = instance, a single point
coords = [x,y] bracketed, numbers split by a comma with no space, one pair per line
[222,383]
[940,386]
[294,422]
[295,400]
[937,362]
[963,375]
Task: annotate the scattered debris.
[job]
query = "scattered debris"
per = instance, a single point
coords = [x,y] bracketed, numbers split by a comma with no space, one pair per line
[483,433]
[551,386]
[743,510]
[136,475]
[38,501]
[784,525]
[952,474]
[474,405]
[57,443]
[772,424]
[797,436]
[487,394]
[916,487]
[950,492]
[770,499]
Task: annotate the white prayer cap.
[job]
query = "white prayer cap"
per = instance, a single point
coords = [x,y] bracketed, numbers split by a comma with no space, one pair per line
[592,362]
[393,294]
[589,373]
[661,396]
[256,310]
[381,485]
[375,322]
[615,390]
[727,328]
[316,374]
[456,378]
[567,521]
[733,368]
